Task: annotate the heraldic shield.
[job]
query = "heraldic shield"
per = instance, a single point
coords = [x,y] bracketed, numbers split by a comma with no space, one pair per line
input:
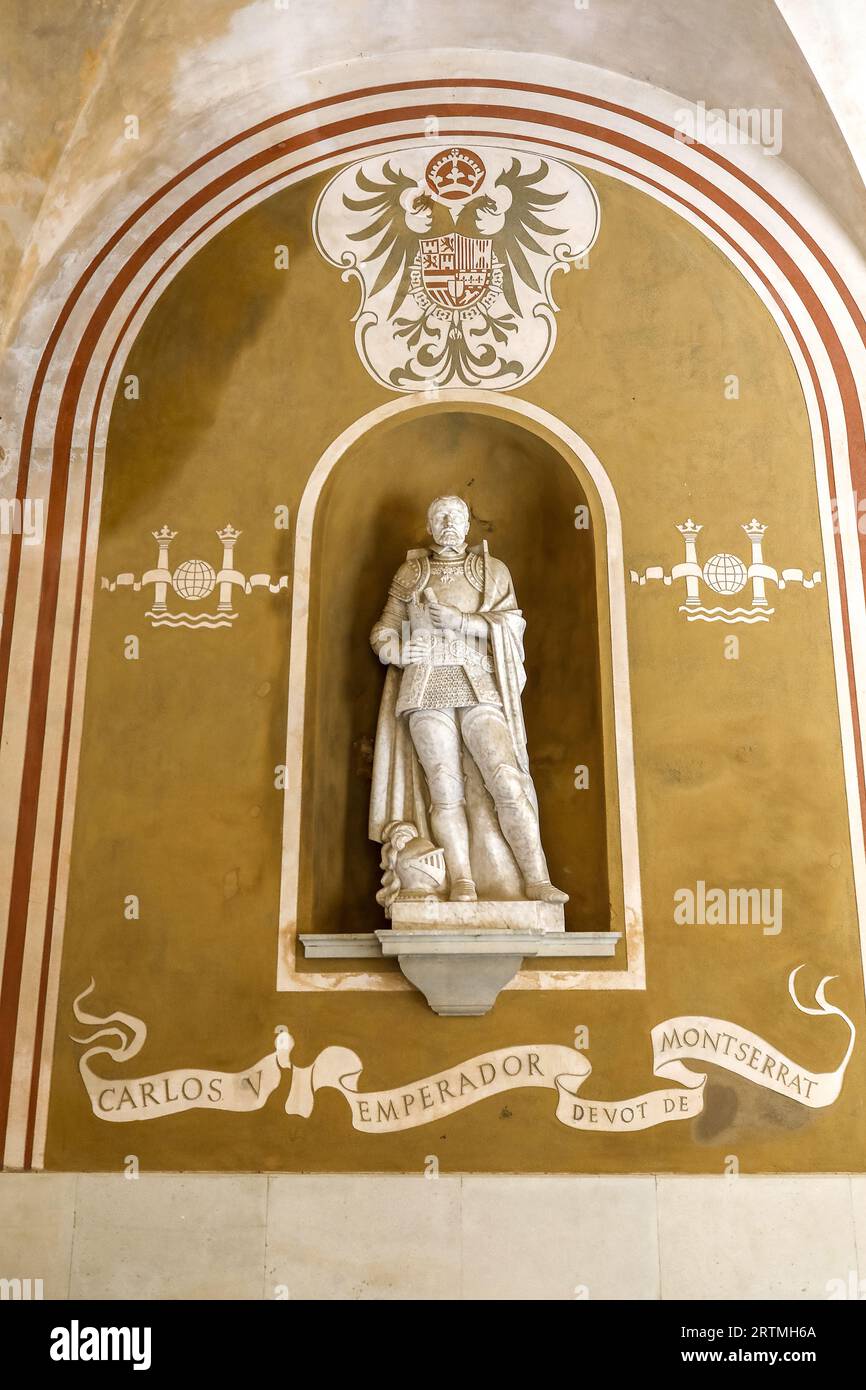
[456,270]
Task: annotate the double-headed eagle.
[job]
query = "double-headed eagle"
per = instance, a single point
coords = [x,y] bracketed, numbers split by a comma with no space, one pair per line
[402,211]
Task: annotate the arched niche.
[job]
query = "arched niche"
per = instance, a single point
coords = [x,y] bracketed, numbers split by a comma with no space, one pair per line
[530,493]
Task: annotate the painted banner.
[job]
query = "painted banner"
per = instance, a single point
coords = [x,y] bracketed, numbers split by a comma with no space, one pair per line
[550,1066]
[168,1092]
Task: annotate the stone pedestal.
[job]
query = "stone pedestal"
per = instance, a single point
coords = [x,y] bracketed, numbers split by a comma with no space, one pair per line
[483,916]
[460,955]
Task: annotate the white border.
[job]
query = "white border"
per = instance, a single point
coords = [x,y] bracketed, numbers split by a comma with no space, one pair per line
[494,402]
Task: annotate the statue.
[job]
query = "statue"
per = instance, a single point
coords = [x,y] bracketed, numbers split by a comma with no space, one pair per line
[450,766]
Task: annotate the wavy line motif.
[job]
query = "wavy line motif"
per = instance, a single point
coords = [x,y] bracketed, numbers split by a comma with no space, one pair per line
[726,615]
[205,620]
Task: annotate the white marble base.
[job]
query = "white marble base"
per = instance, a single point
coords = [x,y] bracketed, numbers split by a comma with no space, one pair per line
[341,945]
[568,945]
[456,941]
[460,955]
[460,972]
[448,916]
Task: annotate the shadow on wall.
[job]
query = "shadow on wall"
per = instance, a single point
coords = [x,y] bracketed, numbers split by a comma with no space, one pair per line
[206,319]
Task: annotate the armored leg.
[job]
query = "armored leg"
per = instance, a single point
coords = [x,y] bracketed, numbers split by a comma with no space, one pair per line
[486,734]
[437,741]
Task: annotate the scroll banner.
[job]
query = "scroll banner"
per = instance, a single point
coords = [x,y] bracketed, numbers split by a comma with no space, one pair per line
[550,1066]
[690,569]
[168,1092]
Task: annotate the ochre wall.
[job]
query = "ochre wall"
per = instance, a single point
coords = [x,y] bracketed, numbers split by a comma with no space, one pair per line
[247,374]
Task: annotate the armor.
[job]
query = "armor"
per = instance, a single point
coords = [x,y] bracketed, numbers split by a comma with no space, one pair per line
[459,670]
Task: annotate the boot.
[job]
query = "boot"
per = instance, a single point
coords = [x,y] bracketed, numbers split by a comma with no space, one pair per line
[520,828]
[451,831]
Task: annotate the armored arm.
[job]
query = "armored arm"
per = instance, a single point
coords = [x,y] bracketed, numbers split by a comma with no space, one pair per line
[386,637]
[474,626]
[500,607]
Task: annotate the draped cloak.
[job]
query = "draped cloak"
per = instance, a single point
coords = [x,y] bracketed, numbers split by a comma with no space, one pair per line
[399,790]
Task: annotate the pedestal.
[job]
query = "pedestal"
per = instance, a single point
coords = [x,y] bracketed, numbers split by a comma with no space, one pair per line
[460,955]
[482,916]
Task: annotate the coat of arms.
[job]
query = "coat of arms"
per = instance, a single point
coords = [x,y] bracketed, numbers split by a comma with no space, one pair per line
[455,254]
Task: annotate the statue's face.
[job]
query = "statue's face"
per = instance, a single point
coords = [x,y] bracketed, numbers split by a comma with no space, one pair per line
[448,522]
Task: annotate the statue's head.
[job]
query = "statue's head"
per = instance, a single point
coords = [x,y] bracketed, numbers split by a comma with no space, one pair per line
[448,521]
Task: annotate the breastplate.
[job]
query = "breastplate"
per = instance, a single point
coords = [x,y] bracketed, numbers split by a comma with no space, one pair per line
[458,670]
[451,586]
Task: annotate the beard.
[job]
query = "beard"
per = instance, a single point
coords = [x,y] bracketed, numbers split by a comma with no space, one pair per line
[450,545]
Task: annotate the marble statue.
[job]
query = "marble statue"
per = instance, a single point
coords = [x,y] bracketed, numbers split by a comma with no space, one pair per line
[450,766]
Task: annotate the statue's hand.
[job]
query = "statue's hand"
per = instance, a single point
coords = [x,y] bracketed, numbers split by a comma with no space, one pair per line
[417,650]
[389,651]
[444,617]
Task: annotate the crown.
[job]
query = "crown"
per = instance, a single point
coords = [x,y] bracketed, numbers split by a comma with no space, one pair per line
[163,534]
[455,174]
[689,528]
[228,533]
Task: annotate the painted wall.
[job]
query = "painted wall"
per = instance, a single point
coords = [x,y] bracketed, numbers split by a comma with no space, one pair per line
[246,374]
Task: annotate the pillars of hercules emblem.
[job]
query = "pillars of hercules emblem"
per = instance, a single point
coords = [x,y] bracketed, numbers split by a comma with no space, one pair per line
[755,532]
[228,535]
[689,532]
[163,538]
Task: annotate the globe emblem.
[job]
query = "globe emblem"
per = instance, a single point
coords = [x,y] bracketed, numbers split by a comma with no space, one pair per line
[194,579]
[725,574]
